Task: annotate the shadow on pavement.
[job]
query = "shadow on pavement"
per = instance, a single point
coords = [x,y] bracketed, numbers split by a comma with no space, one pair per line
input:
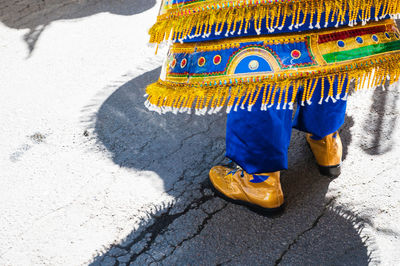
[200,229]
[37,15]
[381,122]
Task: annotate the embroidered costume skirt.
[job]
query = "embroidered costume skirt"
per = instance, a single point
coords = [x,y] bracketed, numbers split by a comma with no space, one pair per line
[237,53]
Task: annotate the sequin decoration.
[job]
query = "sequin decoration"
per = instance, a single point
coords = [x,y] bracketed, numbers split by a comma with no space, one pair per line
[173,63]
[217,60]
[201,62]
[296,54]
[183,62]
[253,65]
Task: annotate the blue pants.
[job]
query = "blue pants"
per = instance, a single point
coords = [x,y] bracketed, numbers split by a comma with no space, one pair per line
[258,141]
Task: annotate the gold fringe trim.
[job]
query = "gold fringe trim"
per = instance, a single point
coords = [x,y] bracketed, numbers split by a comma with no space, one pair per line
[224,44]
[280,91]
[238,15]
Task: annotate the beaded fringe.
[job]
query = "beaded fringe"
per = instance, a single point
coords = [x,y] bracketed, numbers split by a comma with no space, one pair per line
[236,16]
[279,91]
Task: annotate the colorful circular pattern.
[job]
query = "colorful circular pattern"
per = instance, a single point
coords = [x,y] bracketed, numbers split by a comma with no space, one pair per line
[201,62]
[217,60]
[375,38]
[173,63]
[253,65]
[359,39]
[341,43]
[183,62]
[387,35]
[296,54]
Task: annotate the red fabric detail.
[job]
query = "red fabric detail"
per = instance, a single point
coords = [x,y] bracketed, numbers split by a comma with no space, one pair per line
[217,59]
[202,61]
[296,54]
[183,62]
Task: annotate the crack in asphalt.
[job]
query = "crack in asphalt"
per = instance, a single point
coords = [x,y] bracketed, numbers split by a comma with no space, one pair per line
[199,230]
[181,178]
[297,238]
[159,222]
[239,254]
[162,222]
[182,141]
[160,225]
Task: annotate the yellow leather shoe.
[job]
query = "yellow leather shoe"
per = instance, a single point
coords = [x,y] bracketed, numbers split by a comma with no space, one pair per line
[328,153]
[260,192]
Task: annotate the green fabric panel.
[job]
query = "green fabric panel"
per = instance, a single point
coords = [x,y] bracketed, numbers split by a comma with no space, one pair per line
[362,52]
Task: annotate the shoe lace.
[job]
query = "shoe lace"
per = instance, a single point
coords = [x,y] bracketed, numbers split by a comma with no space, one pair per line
[233,172]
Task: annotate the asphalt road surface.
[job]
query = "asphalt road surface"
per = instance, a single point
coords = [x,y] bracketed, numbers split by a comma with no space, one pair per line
[89,176]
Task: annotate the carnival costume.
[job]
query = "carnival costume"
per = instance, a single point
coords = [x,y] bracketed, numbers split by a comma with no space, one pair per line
[258,58]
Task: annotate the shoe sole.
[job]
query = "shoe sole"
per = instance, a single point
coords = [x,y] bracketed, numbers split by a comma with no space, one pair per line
[253,207]
[329,171]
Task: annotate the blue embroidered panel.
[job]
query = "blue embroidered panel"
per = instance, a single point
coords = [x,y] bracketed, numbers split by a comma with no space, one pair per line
[209,66]
[286,55]
[245,65]
[178,68]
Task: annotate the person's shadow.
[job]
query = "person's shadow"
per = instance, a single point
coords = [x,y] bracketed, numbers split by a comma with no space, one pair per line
[381,123]
[201,229]
[37,15]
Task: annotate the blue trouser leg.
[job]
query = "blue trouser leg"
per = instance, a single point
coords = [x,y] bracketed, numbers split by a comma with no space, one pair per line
[258,141]
[320,119]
